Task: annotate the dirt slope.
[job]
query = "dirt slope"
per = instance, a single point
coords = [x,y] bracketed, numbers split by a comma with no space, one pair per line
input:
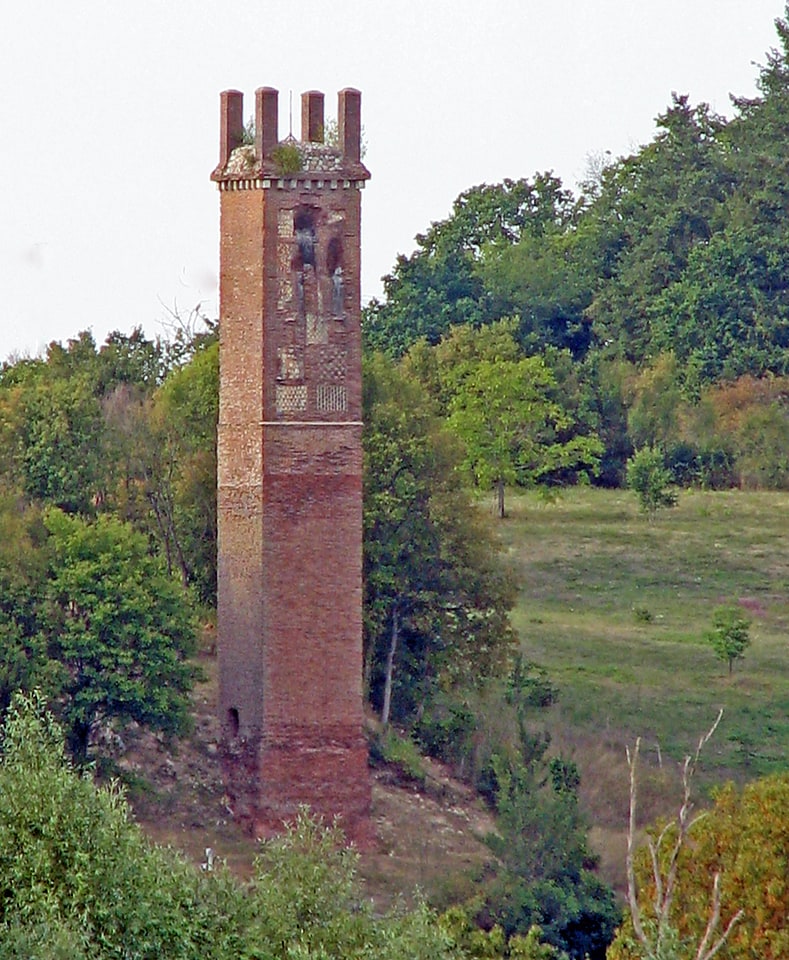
[426,837]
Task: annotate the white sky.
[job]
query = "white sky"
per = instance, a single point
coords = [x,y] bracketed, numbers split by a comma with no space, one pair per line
[109,123]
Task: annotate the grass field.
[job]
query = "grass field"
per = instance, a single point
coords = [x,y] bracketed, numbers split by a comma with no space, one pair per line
[615,607]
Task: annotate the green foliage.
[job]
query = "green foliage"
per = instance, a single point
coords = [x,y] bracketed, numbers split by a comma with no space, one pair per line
[71,861]
[119,626]
[479,944]
[511,429]
[546,282]
[506,409]
[23,571]
[647,220]
[127,429]
[62,443]
[730,636]
[399,751]
[651,481]
[180,472]
[436,594]
[440,284]
[547,877]
[93,619]
[78,880]
[287,158]
[674,261]
[654,412]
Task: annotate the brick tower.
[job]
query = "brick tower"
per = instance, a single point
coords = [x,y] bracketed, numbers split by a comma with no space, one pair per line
[290,465]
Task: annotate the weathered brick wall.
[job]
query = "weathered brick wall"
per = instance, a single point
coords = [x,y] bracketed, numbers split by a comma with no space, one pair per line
[290,487]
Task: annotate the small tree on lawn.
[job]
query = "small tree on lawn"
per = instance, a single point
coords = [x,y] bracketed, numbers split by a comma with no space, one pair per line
[729,636]
[650,479]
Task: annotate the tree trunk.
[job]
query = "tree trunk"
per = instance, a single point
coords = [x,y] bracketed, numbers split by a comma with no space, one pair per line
[500,499]
[77,739]
[394,636]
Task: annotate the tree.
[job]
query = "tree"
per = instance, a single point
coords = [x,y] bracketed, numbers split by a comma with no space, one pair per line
[73,866]
[547,877]
[655,404]
[120,628]
[655,933]
[78,880]
[440,285]
[62,443]
[91,618]
[651,480]
[180,469]
[24,662]
[56,417]
[729,637]
[516,423]
[511,428]
[546,281]
[436,597]
[652,211]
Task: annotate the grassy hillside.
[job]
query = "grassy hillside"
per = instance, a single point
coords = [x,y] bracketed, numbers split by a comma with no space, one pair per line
[594,571]
[616,607]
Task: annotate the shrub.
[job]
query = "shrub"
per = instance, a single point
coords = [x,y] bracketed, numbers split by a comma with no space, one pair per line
[651,480]
[729,636]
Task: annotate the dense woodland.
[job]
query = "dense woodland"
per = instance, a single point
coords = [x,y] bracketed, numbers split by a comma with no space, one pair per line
[536,338]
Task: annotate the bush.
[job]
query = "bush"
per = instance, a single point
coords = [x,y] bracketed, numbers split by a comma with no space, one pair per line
[729,636]
[79,881]
[651,480]
[399,751]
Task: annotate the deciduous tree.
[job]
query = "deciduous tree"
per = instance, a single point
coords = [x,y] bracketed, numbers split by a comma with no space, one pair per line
[120,628]
[712,884]
[729,636]
[651,480]
[512,429]
[436,595]
[78,881]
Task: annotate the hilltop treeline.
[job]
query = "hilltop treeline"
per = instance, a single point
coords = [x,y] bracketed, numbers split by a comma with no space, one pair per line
[658,295]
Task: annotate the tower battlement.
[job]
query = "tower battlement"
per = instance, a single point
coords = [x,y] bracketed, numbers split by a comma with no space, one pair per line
[271,159]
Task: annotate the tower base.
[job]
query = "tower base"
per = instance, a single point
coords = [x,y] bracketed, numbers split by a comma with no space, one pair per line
[325,769]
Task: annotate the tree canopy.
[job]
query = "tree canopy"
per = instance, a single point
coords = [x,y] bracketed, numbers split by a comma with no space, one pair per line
[78,880]
[94,619]
[677,249]
[436,595]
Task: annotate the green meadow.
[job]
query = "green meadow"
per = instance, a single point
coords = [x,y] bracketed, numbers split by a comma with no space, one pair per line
[615,607]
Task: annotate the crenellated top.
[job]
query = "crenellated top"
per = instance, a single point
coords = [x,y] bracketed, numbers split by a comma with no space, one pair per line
[289,162]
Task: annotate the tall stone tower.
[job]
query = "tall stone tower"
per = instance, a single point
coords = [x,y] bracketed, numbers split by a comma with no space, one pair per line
[290,465]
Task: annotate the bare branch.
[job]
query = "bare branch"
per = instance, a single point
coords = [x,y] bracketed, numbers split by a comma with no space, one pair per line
[666,879]
[632,897]
[715,916]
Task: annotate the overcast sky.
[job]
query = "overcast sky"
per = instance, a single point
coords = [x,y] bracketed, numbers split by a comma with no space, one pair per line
[109,120]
